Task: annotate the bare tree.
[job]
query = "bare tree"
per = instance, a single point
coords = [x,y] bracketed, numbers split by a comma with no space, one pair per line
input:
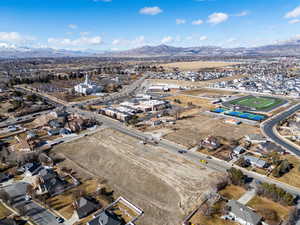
[5,197]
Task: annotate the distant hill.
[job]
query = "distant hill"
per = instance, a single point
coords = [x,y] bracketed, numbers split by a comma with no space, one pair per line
[286,48]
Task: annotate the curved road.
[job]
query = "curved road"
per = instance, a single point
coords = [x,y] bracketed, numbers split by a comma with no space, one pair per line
[269,125]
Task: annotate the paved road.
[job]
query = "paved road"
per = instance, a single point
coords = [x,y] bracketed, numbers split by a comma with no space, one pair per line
[39,215]
[268,126]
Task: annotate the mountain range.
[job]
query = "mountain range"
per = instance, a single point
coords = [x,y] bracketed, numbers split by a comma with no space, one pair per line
[280,49]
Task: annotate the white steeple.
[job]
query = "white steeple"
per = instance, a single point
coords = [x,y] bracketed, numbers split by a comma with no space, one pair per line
[86,82]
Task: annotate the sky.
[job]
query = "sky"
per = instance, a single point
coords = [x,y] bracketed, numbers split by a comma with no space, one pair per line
[126,24]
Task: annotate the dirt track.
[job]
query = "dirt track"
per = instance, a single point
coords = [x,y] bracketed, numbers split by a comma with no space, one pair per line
[165,186]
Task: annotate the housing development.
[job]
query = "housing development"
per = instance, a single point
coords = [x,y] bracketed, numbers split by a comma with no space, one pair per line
[111,115]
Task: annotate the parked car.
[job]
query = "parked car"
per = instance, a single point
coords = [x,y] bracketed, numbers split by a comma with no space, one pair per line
[182,151]
[59,220]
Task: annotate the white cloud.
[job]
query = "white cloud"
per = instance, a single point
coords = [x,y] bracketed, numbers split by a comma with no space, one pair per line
[180,21]
[243,13]
[197,22]
[294,13]
[294,21]
[151,10]
[139,41]
[15,37]
[203,38]
[6,45]
[217,18]
[84,33]
[167,40]
[10,36]
[231,40]
[82,41]
[73,26]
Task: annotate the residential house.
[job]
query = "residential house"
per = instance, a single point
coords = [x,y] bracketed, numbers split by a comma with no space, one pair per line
[4,177]
[272,147]
[211,143]
[243,214]
[84,207]
[8,221]
[254,161]
[31,135]
[53,132]
[31,169]
[238,150]
[50,182]
[55,123]
[255,138]
[106,217]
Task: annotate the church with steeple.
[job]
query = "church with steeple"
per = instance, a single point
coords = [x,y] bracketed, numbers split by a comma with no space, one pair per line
[88,88]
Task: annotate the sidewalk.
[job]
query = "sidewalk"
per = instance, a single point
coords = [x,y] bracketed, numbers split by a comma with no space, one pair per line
[247,196]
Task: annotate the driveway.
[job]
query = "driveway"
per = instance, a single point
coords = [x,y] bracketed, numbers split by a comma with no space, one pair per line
[38,214]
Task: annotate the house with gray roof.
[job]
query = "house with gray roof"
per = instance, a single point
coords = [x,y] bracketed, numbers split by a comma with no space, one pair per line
[50,182]
[106,217]
[84,207]
[254,161]
[243,214]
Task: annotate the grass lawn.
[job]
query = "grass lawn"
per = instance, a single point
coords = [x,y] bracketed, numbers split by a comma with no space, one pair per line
[293,177]
[259,103]
[4,212]
[261,204]
[199,218]
[232,192]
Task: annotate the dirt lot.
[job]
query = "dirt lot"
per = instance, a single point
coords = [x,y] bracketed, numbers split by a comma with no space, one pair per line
[189,131]
[164,185]
[197,65]
[208,92]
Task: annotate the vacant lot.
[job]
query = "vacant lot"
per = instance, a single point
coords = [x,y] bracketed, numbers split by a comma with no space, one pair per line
[197,65]
[232,192]
[164,185]
[189,131]
[208,92]
[205,104]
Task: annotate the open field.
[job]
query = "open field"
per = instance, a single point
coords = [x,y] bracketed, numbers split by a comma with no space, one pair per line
[164,185]
[196,65]
[196,84]
[232,192]
[207,91]
[257,103]
[263,206]
[205,104]
[189,131]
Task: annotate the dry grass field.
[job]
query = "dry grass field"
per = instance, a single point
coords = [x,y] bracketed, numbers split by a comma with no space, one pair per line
[164,185]
[189,131]
[207,91]
[232,192]
[196,65]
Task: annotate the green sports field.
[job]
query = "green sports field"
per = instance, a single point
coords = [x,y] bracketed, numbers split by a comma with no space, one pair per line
[258,103]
